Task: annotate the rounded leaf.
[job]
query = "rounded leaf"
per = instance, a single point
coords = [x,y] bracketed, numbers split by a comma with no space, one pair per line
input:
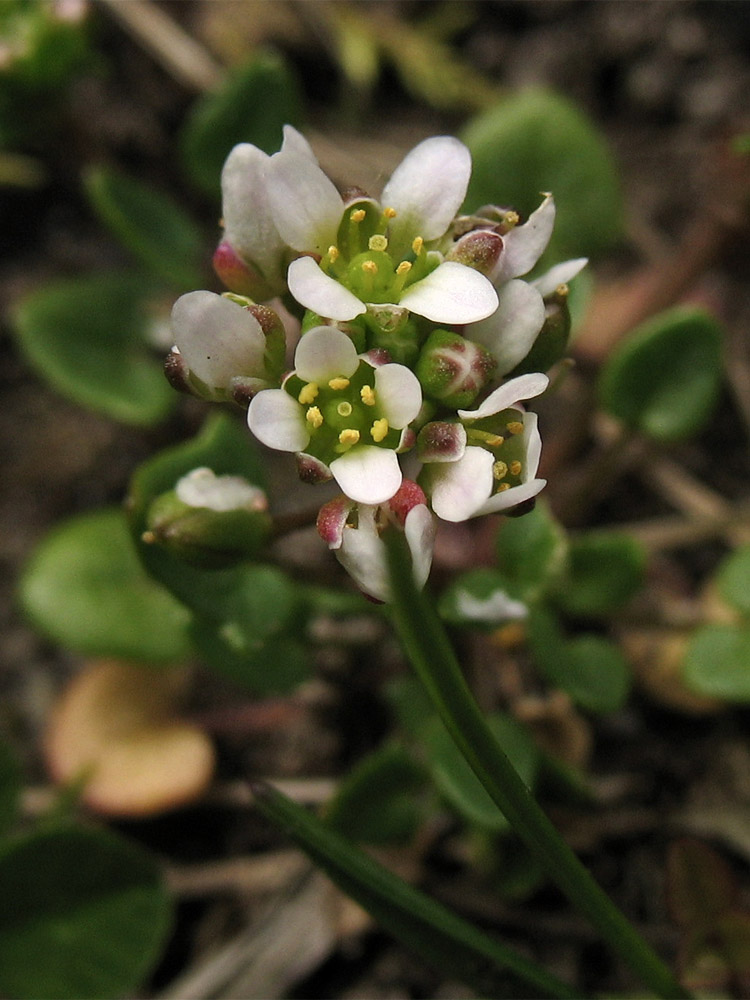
[83,914]
[87,337]
[539,141]
[717,662]
[86,589]
[664,379]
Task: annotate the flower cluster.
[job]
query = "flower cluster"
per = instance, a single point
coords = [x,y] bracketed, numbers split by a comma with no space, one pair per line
[418,332]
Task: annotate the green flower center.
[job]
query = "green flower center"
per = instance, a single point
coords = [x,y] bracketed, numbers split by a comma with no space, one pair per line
[502,435]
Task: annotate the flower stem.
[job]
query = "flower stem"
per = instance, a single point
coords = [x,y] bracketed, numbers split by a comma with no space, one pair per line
[427,646]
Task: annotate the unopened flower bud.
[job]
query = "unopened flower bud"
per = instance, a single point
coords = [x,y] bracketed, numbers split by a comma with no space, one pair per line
[210,521]
[480,249]
[453,369]
[238,275]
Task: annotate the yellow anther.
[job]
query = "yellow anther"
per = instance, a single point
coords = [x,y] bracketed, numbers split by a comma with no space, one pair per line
[515,427]
[369,267]
[349,436]
[333,253]
[562,291]
[308,393]
[499,470]
[377,242]
[379,430]
[417,245]
[511,218]
[358,215]
[390,213]
[338,383]
[314,417]
[494,440]
[404,267]
[367,395]
[344,409]
[503,487]
[515,468]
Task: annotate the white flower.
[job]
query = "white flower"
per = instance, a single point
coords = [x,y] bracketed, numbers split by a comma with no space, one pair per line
[490,461]
[511,330]
[353,532]
[341,411]
[386,262]
[219,340]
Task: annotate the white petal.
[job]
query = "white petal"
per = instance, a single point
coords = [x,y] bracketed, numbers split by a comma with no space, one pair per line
[248,221]
[368,474]
[507,395]
[427,189]
[515,495]
[419,529]
[525,244]
[510,332]
[305,204]
[452,294]
[496,608]
[399,394]
[324,353]
[217,338]
[295,142]
[362,554]
[458,489]
[278,421]
[203,488]
[317,291]
[532,443]
[560,274]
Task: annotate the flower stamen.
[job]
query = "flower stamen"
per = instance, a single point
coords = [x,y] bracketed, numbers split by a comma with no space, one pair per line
[308,393]
[338,383]
[367,395]
[314,417]
[499,470]
[379,430]
[349,436]
[515,427]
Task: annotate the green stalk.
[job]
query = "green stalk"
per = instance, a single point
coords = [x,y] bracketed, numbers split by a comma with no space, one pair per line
[427,646]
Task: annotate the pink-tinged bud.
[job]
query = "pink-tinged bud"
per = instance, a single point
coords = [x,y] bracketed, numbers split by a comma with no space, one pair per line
[407,440]
[378,356]
[406,497]
[332,518]
[453,369]
[441,441]
[312,470]
[237,275]
[480,250]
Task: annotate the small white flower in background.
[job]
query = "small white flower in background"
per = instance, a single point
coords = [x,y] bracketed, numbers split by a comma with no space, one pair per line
[202,488]
[496,609]
[341,411]
[353,532]
[487,462]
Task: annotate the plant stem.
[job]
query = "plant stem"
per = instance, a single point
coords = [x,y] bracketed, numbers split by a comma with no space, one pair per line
[431,655]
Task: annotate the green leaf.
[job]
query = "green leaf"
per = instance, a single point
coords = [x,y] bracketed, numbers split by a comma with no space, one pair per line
[458,783]
[538,141]
[149,224]
[664,379]
[83,914]
[85,588]
[590,668]
[376,803]
[531,551]
[10,788]
[253,103]
[717,662]
[733,579]
[87,336]
[435,933]
[605,570]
